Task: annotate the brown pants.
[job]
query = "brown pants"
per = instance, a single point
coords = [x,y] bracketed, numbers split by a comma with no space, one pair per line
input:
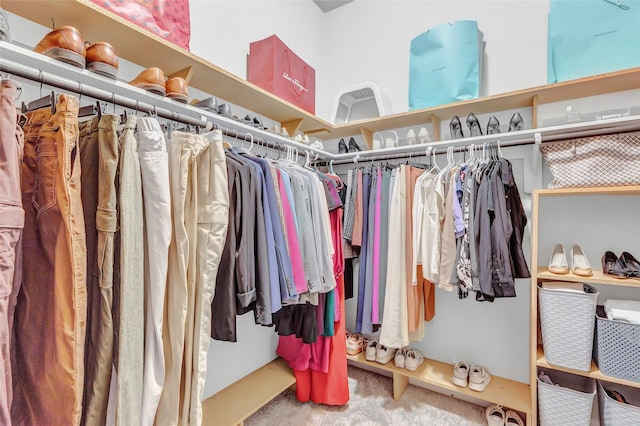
[51,310]
[11,224]
[99,154]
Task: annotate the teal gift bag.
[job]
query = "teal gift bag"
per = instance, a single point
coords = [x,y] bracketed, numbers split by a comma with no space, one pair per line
[588,37]
[445,64]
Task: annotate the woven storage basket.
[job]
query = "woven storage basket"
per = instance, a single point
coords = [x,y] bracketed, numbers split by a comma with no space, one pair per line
[567,322]
[568,404]
[607,160]
[617,350]
[614,413]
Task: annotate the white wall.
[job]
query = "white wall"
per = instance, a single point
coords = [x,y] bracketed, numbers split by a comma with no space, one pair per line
[368,40]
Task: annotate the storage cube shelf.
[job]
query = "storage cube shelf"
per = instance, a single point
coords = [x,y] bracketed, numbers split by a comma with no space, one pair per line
[541,274]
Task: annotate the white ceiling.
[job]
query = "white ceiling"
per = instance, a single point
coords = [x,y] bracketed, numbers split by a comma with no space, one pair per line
[328,5]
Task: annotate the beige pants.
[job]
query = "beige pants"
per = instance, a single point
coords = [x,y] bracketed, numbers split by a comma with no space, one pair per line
[213,208]
[394,332]
[154,166]
[184,150]
[200,206]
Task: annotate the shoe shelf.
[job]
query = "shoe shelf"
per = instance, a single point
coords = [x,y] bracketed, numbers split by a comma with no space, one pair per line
[146,49]
[541,273]
[233,404]
[505,392]
[597,278]
[594,372]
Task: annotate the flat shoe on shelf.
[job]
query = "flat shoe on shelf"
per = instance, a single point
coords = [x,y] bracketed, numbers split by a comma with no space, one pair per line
[513,419]
[495,415]
[612,266]
[558,261]
[631,264]
[579,263]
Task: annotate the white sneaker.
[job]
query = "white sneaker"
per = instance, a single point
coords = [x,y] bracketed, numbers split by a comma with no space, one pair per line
[372,348]
[384,354]
[513,419]
[413,359]
[495,415]
[479,378]
[411,137]
[399,358]
[461,374]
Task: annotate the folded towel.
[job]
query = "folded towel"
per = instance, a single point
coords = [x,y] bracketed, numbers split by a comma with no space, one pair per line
[623,310]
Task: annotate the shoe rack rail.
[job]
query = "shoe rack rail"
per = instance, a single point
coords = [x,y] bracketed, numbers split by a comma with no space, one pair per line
[146,49]
[505,392]
[541,274]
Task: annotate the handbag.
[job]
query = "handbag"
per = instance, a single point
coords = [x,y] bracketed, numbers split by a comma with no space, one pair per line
[588,37]
[608,160]
[445,63]
[277,69]
[168,19]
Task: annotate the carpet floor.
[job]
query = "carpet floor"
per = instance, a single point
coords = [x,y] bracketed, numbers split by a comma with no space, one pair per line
[371,403]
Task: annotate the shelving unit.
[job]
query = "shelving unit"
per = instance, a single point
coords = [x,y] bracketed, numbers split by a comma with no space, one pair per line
[233,404]
[594,372]
[597,278]
[505,392]
[146,49]
[541,274]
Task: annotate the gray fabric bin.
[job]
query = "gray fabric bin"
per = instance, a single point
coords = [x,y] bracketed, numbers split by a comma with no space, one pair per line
[617,350]
[615,413]
[567,323]
[567,404]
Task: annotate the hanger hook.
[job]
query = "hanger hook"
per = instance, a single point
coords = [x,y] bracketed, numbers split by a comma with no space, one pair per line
[41,80]
[251,136]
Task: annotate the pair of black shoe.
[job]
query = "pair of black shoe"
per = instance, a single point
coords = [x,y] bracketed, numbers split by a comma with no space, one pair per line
[353,146]
[493,126]
[625,266]
[211,105]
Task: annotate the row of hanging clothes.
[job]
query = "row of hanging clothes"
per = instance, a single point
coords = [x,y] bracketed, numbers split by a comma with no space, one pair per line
[110,248]
[416,227]
[283,261]
[127,243]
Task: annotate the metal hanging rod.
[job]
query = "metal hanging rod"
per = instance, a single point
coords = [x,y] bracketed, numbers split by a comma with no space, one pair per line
[93,92]
[26,64]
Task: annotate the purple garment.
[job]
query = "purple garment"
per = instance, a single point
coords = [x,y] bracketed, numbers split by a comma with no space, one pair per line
[375,313]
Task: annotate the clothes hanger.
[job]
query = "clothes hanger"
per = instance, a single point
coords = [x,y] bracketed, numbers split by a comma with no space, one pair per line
[43,101]
[7,77]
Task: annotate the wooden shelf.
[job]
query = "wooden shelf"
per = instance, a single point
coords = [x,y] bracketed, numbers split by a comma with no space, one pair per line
[508,393]
[233,404]
[593,373]
[597,278]
[596,190]
[589,86]
[146,49]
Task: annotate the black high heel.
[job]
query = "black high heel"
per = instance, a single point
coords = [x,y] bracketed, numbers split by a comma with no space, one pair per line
[353,146]
[493,126]
[342,147]
[474,125]
[455,127]
[516,123]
